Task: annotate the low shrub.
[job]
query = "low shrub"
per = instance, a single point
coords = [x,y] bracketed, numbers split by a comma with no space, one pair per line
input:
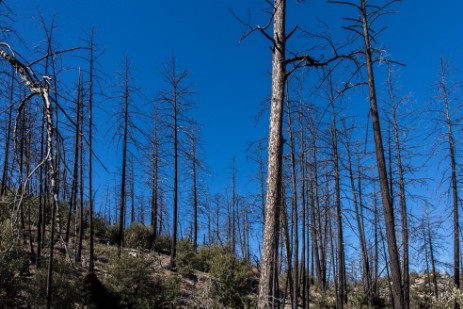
[163,244]
[112,234]
[131,281]
[186,258]
[138,236]
[67,289]
[232,278]
[14,266]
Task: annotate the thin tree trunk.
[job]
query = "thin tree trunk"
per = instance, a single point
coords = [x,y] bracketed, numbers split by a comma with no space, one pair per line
[154,184]
[394,261]
[341,265]
[6,160]
[124,156]
[305,246]
[75,173]
[295,246]
[90,156]
[454,182]
[403,203]
[173,251]
[195,193]
[360,224]
[433,261]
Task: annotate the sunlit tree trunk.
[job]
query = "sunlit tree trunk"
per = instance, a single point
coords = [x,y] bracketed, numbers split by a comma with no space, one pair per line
[275,150]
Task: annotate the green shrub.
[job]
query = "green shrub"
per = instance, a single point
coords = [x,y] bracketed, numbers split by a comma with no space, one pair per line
[232,280]
[67,290]
[100,228]
[138,236]
[163,244]
[14,265]
[130,279]
[186,257]
[112,234]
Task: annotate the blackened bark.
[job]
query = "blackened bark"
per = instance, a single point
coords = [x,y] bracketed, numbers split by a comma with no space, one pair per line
[389,219]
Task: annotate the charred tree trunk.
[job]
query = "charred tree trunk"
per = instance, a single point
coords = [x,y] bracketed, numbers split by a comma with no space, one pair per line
[90,155]
[389,219]
[295,246]
[453,178]
[122,197]
[403,202]
[6,160]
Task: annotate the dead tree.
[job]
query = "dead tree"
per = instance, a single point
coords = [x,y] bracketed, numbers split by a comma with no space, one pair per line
[363,26]
[174,106]
[130,132]
[280,72]
[447,97]
[41,89]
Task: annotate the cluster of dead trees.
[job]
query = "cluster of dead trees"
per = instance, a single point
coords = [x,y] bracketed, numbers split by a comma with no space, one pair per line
[320,175]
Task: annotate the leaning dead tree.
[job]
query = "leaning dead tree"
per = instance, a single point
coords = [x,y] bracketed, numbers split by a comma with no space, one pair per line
[39,87]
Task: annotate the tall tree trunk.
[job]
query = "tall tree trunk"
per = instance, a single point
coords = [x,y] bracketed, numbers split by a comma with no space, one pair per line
[123,194]
[53,189]
[6,161]
[75,173]
[431,255]
[233,210]
[360,224]
[275,150]
[341,265]
[302,163]
[195,191]
[403,203]
[90,154]
[295,246]
[389,219]
[154,182]
[453,179]
[173,251]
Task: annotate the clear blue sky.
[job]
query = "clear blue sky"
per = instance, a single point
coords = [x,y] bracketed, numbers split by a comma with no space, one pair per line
[232,79]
